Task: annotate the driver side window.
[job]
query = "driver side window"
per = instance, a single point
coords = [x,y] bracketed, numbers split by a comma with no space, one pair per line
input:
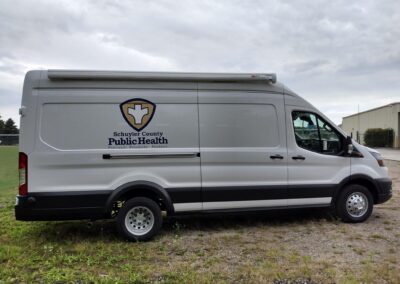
[315,134]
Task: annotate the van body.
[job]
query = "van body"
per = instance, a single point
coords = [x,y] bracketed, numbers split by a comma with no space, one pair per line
[101,144]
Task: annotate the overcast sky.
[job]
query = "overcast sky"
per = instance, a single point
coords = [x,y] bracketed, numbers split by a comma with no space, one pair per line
[336,54]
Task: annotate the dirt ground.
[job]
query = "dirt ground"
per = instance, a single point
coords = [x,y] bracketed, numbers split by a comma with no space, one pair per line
[321,247]
[290,246]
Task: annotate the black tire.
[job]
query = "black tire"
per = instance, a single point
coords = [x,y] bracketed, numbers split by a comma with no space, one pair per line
[141,206]
[344,204]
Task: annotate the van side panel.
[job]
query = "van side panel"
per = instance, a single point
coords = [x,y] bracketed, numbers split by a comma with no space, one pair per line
[80,129]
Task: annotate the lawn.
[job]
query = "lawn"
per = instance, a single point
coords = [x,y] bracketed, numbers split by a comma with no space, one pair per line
[8,170]
[303,244]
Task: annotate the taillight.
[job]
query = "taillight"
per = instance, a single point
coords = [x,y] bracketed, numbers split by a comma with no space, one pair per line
[23,173]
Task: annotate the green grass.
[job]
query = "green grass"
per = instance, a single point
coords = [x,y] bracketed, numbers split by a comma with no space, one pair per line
[8,170]
[188,250]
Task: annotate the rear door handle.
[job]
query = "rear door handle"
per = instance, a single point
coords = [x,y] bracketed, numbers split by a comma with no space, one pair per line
[276,157]
[299,157]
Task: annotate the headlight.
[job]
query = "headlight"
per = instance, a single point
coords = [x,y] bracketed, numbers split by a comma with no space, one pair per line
[378,158]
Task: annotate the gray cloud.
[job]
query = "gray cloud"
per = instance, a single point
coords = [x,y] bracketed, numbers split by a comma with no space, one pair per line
[337,54]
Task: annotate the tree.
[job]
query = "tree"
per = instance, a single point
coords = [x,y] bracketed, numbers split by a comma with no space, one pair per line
[10,127]
[1,125]
[6,128]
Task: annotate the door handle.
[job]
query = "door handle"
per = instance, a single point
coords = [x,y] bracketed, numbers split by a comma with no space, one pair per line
[276,157]
[299,157]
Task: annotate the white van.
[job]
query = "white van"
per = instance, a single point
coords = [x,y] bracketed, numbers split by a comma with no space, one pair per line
[129,145]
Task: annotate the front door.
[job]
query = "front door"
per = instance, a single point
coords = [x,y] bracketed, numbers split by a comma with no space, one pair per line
[316,164]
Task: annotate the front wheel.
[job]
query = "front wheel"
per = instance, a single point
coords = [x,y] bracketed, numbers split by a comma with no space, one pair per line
[139,219]
[355,204]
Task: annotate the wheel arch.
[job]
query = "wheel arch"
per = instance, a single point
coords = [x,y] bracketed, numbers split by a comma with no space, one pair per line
[360,179]
[143,189]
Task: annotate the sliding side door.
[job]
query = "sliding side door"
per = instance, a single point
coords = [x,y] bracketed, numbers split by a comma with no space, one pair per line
[243,150]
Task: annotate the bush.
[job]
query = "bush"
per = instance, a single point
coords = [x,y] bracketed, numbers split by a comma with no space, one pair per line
[379,137]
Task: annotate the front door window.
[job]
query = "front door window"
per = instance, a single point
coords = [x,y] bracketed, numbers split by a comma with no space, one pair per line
[315,134]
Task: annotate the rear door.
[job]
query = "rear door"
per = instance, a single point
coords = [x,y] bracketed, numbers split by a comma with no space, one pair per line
[316,164]
[243,149]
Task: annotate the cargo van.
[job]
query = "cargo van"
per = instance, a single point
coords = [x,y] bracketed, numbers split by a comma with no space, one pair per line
[130,145]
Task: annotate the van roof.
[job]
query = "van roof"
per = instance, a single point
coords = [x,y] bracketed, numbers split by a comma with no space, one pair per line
[66,79]
[236,82]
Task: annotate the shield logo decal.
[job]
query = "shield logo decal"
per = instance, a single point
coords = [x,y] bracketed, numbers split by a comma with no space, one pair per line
[138,112]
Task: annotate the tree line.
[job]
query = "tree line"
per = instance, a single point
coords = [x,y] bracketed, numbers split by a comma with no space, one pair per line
[8,127]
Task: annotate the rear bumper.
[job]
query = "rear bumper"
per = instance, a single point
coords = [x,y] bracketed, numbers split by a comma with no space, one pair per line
[384,188]
[54,206]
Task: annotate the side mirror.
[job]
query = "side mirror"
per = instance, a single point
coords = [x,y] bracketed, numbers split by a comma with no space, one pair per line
[349,145]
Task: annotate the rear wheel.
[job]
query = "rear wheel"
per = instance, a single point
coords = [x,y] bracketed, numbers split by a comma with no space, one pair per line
[355,204]
[139,219]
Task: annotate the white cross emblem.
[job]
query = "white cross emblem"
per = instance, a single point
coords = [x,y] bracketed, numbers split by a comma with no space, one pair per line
[138,113]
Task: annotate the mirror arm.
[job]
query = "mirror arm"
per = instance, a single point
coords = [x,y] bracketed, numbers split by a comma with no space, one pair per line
[349,146]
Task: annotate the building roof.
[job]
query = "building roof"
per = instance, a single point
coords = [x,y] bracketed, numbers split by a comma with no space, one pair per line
[373,109]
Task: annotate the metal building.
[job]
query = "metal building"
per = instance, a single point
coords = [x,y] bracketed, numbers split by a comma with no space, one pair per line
[387,116]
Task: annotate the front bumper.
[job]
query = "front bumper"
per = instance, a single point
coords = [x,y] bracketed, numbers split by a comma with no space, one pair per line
[384,188]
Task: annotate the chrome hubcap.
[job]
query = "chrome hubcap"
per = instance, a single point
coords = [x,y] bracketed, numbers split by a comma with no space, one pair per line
[357,204]
[139,220]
